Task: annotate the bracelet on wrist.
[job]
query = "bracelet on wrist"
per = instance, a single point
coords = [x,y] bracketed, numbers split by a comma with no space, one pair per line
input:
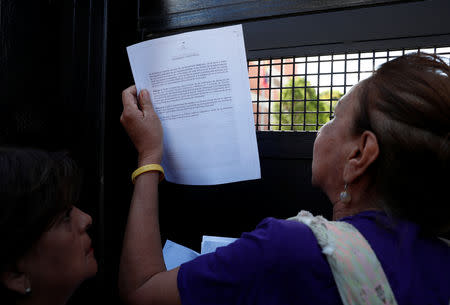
[148,168]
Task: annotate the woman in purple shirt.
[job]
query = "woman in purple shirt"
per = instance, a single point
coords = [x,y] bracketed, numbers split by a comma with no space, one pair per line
[381,162]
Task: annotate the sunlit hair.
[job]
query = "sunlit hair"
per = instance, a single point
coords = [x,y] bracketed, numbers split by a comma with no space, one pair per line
[406,103]
[36,187]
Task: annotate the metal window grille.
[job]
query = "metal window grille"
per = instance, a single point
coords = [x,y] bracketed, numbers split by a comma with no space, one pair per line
[300,93]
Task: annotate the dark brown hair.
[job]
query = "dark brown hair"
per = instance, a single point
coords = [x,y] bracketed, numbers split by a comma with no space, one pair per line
[406,103]
[35,188]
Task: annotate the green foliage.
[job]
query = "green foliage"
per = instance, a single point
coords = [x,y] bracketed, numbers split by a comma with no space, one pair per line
[293,104]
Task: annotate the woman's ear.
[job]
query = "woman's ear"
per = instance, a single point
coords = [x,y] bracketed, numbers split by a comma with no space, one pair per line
[364,153]
[15,281]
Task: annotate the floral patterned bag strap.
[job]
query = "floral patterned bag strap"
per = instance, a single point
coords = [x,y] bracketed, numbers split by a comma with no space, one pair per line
[358,273]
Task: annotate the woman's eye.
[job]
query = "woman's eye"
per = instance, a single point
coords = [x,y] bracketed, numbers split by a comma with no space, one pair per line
[67,214]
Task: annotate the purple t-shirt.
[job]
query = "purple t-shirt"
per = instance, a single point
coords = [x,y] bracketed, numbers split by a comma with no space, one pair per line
[280,262]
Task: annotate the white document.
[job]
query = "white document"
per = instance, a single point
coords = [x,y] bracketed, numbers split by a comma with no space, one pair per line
[175,254]
[211,243]
[199,86]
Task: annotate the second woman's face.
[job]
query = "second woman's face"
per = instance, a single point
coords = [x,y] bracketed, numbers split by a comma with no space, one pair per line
[63,257]
[332,146]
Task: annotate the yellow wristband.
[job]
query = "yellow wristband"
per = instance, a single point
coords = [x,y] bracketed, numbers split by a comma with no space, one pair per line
[148,168]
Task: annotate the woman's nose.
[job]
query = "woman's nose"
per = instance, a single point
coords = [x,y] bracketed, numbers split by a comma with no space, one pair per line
[86,220]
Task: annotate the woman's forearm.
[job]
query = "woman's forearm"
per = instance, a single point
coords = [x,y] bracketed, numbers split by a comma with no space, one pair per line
[142,253]
[142,276]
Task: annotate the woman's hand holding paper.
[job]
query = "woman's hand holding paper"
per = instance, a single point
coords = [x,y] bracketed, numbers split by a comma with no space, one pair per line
[142,125]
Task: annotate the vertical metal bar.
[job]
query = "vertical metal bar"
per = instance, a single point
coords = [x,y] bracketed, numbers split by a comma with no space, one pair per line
[373,61]
[359,65]
[293,94]
[257,103]
[304,93]
[331,88]
[318,93]
[257,89]
[270,89]
[89,49]
[102,97]
[345,73]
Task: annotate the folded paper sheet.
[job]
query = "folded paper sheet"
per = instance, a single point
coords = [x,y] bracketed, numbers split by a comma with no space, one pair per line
[211,243]
[199,86]
[176,254]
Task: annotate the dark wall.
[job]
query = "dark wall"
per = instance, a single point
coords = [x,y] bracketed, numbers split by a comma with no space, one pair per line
[30,91]
[162,16]
[120,157]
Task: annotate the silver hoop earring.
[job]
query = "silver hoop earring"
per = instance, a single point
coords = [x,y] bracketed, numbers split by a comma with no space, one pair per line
[27,290]
[345,196]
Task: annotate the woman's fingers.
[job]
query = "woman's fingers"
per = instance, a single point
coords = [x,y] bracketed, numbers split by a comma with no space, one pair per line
[145,102]
[142,125]
[129,97]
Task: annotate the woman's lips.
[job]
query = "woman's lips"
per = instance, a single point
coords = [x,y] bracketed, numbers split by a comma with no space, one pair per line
[90,251]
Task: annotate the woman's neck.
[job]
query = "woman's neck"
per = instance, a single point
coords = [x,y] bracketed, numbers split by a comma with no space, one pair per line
[362,200]
[341,212]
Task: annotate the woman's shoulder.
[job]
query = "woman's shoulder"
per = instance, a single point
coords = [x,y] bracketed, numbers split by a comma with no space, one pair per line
[417,265]
[392,236]
[290,240]
[378,226]
[281,230]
